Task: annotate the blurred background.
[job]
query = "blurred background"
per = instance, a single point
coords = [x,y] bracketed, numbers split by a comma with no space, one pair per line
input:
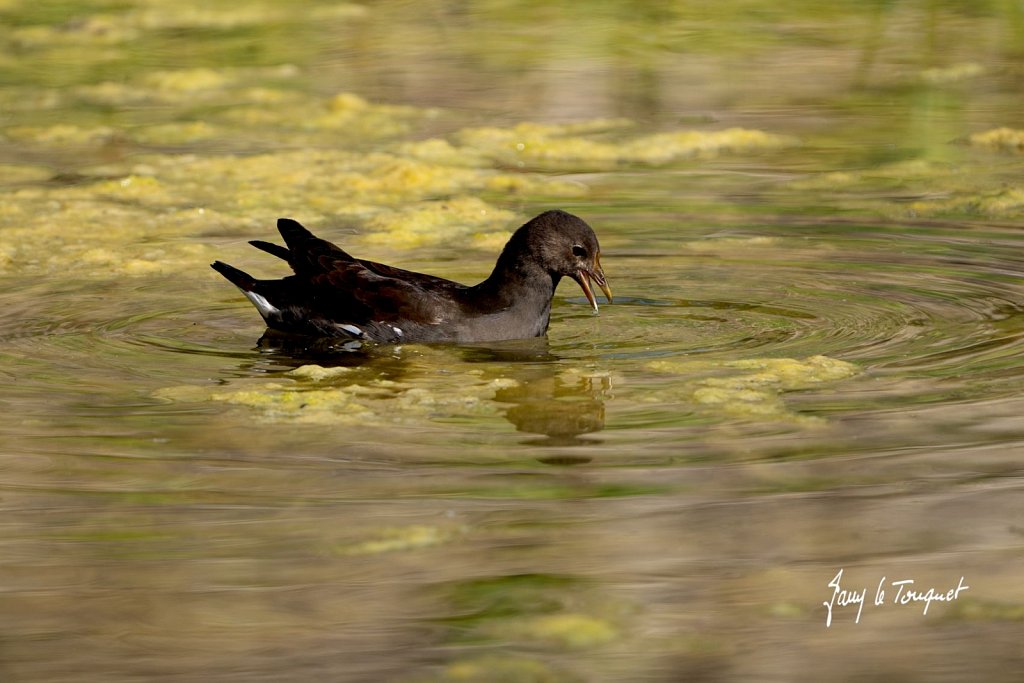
[810,213]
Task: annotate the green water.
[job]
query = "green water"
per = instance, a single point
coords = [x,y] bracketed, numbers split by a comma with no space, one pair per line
[811,216]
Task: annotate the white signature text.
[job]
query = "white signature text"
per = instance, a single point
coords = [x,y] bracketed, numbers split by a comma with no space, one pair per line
[906,593]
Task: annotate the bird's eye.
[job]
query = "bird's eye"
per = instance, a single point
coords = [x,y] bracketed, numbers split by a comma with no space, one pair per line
[577,250]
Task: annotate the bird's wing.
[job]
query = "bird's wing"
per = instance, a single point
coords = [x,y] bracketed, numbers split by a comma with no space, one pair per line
[410,276]
[363,293]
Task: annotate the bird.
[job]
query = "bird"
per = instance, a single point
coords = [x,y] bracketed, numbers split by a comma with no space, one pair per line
[333,294]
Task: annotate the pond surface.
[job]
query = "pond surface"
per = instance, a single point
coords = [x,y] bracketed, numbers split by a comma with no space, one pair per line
[813,221]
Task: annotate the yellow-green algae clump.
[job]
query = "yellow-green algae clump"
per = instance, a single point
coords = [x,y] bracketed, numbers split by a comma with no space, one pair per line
[955,73]
[466,218]
[151,213]
[317,396]
[134,224]
[751,388]
[539,144]
[396,539]
[563,630]
[60,135]
[499,669]
[1004,139]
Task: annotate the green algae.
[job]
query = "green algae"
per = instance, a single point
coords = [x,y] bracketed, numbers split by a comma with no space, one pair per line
[196,89]
[333,396]
[60,135]
[746,388]
[175,196]
[511,595]
[750,388]
[334,159]
[1000,139]
[540,610]
[465,219]
[565,630]
[425,193]
[91,236]
[200,15]
[954,73]
[535,144]
[1004,203]
[399,539]
[318,373]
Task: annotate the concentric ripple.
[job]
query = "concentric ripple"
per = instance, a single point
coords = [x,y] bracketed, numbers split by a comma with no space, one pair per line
[939,312]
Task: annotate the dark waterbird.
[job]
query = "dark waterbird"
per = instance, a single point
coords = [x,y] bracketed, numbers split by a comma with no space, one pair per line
[333,294]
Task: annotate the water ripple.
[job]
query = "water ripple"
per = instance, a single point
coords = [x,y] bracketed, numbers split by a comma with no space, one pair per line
[937,305]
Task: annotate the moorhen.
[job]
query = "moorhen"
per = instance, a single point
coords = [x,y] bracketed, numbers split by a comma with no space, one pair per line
[333,294]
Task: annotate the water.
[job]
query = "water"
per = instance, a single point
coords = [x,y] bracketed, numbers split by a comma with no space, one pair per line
[811,219]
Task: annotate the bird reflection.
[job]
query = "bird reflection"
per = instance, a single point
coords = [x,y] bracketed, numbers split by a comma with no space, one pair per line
[557,406]
[308,349]
[560,406]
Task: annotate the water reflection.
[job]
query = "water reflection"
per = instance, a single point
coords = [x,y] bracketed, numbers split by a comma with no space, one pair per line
[560,407]
[542,396]
[324,350]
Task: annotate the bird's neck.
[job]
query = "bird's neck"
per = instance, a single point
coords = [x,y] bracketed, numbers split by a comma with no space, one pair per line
[517,281]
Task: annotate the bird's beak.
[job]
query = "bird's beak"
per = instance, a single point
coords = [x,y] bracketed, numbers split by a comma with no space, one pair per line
[583,277]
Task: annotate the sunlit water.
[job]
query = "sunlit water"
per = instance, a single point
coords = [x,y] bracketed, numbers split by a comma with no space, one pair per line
[813,361]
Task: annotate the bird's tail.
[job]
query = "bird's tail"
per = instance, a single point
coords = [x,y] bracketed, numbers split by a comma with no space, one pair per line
[271,248]
[238,278]
[294,233]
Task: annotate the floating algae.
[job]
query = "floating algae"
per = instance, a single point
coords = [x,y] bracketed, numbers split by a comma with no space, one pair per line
[335,396]
[500,669]
[750,388]
[281,402]
[157,209]
[335,118]
[60,135]
[540,144]
[396,539]
[1002,139]
[440,151]
[457,219]
[188,81]
[956,73]
[42,234]
[318,373]
[201,15]
[998,204]
[564,630]
[172,196]
[187,88]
